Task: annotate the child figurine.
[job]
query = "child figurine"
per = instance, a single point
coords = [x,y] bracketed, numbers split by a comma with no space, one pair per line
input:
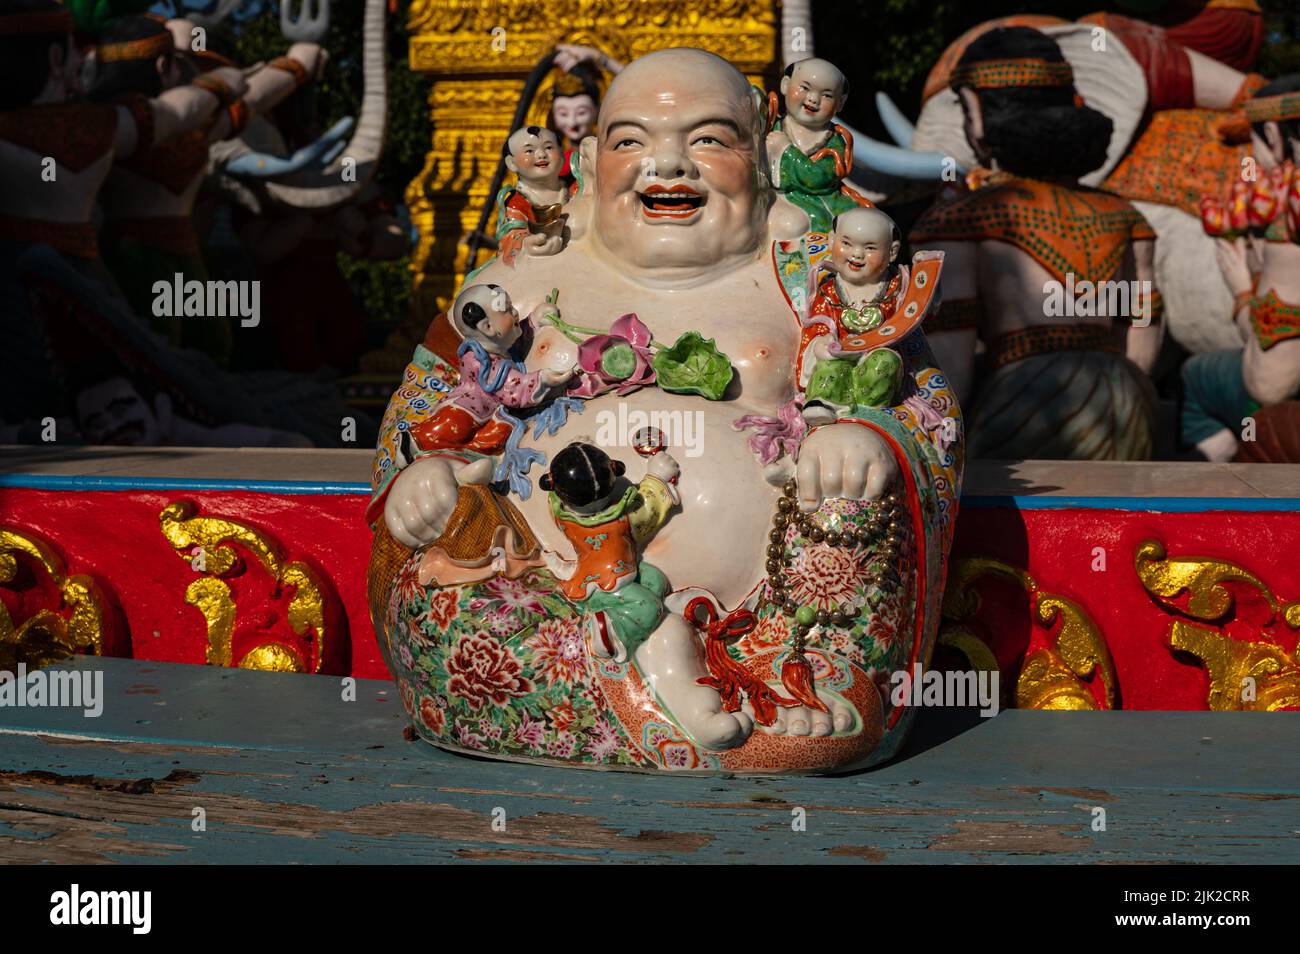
[529,213]
[492,375]
[607,522]
[809,153]
[858,295]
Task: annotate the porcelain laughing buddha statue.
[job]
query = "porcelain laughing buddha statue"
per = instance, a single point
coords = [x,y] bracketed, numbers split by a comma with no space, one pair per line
[799,568]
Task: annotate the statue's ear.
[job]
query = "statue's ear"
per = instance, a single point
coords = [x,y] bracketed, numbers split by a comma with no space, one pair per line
[895,247]
[512,165]
[545,482]
[618,467]
[785,85]
[585,171]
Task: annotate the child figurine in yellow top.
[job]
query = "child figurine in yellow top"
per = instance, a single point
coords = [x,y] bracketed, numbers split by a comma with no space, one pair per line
[607,521]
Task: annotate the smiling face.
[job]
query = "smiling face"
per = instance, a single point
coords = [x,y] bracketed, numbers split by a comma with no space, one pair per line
[677,184]
[813,93]
[534,155]
[864,245]
[575,116]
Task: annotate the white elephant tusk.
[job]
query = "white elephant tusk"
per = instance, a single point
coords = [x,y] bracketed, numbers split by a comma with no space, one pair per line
[899,127]
[896,161]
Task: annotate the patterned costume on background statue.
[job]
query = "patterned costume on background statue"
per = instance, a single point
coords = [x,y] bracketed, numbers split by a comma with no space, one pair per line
[1074,393]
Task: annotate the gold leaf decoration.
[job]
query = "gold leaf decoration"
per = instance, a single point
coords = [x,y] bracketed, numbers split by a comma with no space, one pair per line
[186,531]
[48,636]
[1053,676]
[1252,675]
[1201,577]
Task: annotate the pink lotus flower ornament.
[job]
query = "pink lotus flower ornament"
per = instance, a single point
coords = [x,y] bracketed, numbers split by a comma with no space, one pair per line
[620,359]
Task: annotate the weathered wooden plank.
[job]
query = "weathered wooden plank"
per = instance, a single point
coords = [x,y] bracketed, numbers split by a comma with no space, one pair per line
[287,772]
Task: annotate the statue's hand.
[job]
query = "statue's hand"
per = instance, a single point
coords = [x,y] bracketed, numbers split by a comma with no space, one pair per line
[843,460]
[543,244]
[233,78]
[420,501]
[1232,263]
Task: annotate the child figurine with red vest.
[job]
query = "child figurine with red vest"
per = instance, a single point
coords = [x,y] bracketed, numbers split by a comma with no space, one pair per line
[857,295]
[607,521]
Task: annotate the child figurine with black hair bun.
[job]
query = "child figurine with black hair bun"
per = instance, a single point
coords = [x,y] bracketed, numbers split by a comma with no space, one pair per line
[492,375]
[608,520]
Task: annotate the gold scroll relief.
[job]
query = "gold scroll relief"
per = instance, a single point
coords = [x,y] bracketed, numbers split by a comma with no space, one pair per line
[189,533]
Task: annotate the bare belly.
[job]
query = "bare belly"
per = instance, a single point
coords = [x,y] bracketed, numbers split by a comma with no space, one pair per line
[717,538]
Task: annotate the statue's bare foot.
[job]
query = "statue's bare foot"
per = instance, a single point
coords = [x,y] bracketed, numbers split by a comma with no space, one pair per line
[805,720]
[672,661]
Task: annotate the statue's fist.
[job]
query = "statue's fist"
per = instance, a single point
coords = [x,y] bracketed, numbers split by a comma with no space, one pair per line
[843,460]
[420,501]
[311,56]
[663,466]
[543,244]
[233,78]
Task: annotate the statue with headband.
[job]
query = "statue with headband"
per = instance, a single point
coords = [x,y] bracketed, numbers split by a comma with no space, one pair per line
[56,150]
[1055,278]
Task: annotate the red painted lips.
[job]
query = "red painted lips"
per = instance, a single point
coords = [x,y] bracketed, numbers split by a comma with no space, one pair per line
[675,202]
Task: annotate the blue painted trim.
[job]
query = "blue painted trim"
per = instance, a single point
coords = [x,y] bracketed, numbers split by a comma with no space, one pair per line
[83,483]
[1149,504]
[88,483]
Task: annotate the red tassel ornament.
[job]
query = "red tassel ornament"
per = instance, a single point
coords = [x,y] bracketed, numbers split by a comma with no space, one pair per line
[728,678]
[797,677]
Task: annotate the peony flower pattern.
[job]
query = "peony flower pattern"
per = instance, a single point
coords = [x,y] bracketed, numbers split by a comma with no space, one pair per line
[824,577]
[559,651]
[483,671]
[443,607]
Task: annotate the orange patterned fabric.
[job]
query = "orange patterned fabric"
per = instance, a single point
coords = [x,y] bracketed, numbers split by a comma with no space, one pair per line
[1067,230]
[76,135]
[937,81]
[1274,319]
[1014,73]
[148,48]
[1179,158]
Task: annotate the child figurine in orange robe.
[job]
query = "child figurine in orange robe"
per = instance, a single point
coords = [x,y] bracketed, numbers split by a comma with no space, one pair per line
[607,521]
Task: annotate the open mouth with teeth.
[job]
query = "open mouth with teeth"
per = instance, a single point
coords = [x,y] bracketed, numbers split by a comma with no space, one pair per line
[679,202]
